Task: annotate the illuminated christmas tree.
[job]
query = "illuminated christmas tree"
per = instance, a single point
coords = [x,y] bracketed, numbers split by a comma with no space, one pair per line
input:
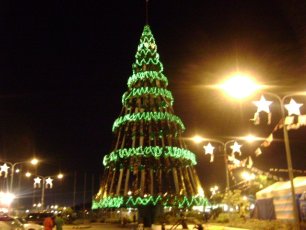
[149,163]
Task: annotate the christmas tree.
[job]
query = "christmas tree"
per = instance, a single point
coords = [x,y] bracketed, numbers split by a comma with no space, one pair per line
[149,163]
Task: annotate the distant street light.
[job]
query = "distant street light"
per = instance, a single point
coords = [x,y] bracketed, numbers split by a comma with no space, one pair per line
[248,176]
[4,168]
[292,108]
[6,198]
[214,190]
[44,182]
[34,161]
[209,149]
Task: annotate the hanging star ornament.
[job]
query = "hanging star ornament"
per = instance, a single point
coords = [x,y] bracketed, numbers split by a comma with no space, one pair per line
[293,107]
[49,182]
[37,181]
[262,106]
[4,169]
[209,149]
[236,149]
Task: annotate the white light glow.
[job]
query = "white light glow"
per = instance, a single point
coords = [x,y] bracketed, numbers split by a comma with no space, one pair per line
[34,161]
[239,86]
[60,176]
[197,139]
[248,176]
[6,198]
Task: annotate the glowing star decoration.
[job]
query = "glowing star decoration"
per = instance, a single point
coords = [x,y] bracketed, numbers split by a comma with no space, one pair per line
[49,182]
[37,181]
[4,169]
[293,107]
[209,149]
[262,106]
[236,149]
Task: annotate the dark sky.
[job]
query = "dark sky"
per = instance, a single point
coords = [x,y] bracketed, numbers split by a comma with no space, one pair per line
[64,66]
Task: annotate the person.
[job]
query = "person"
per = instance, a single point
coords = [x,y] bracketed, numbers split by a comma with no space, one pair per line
[199,227]
[134,218]
[59,222]
[48,223]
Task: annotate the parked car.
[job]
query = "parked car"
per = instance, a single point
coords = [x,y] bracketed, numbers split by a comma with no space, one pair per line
[29,225]
[38,217]
[10,223]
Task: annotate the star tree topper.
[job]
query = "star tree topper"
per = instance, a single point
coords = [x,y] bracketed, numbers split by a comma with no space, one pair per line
[293,107]
[262,106]
[4,169]
[209,149]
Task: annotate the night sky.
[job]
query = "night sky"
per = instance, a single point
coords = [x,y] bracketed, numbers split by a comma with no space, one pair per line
[64,66]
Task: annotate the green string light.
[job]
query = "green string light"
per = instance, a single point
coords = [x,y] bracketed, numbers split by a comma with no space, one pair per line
[147,62]
[150,151]
[108,202]
[146,54]
[138,92]
[131,201]
[147,116]
[146,76]
[193,201]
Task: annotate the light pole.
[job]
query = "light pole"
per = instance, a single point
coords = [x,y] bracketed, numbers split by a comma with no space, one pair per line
[34,161]
[225,157]
[209,150]
[251,89]
[288,150]
[214,190]
[44,182]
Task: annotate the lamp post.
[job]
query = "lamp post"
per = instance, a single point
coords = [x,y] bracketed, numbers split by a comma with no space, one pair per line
[34,161]
[288,150]
[251,89]
[209,150]
[214,190]
[44,182]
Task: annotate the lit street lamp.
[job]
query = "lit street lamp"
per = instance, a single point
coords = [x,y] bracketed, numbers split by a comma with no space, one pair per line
[287,149]
[214,190]
[292,108]
[247,176]
[6,198]
[44,182]
[209,149]
[239,86]
[4,169]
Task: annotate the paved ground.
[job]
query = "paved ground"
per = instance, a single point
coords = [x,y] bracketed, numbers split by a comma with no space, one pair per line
[103,226]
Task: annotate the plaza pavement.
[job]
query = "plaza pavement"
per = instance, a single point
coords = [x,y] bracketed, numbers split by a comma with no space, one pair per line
[103,226]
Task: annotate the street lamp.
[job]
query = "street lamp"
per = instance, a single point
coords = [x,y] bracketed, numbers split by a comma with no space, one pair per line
[214,190]
[209,149]
[247,176]
[6,198]
[239,86]
[289,106]
[44,182]
[4,168]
